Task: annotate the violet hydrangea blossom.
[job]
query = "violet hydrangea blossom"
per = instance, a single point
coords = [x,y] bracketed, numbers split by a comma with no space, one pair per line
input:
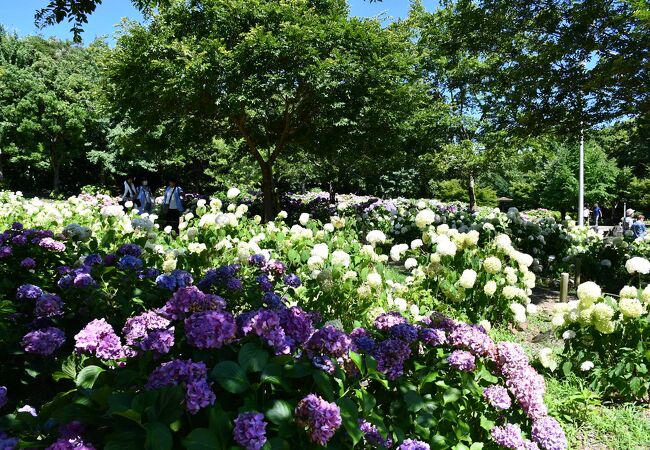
[48,305]
[372,435]
[51,244]
[250,430]
[191,375]
[149,332]
[497,397]
[210,329]
[321,418]
[548,433]
[99,338]
[3,396]
[28,292]
[412,444]
[462,360]
[43,342]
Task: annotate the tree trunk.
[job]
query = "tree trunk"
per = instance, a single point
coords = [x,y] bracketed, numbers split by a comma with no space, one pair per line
[471,189]
[332,193]
[56,174]
[268,190]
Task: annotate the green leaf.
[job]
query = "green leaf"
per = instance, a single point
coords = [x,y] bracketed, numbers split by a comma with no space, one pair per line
[158,437]
[486,423]
[281,412]
[357,359]
[272,374]
[201,439]
[230,376]
[414,401]
[350,418]
[451,395]
[252,358]
[477,446]
[88,376]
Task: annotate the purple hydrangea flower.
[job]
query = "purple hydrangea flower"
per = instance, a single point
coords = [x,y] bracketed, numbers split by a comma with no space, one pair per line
[75,443]
[190,299]
[473,339]
[219,276]
[83,280]
[412,444]
[362,341]
[508,436]
[250,430]
[128,262]
[462,360]
[5,251]
[272,300]
[28,292]
[210,329]
[48,305]
[3,396]
[297,324]
[50,244]
[43,342]
[388,320]
[19,240]
[548,433]
[266,324]
[130,249]
[292,280]
[321,418]
[329,341]
[178,279]
[528,387]
[17,226]
[258,260]
[98,337]
[72,430]
[391,355]
[110,259]
[8,443]
[275,267]
[149,332]
[433,336]
[93,259]
[28,263]
[498,397]
[198,392]
[372,435]
[265,282]
[404,331]
[234,284]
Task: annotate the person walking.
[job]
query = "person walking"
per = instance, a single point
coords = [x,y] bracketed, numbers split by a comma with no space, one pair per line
[628,220]
[585,215]
[145,197]
[639,228]
[172,206]
[597,214]
[130,192]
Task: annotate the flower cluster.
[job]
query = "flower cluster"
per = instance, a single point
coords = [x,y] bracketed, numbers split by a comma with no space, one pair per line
[191,375]
[319,417]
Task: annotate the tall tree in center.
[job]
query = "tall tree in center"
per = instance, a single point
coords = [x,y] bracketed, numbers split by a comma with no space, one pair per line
[276,76]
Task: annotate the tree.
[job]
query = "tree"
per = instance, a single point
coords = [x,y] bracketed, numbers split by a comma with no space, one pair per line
[46,102]
[280,77]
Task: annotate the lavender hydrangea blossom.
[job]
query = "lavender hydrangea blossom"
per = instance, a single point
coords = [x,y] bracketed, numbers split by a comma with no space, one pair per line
[497,397]
[48,305]
[3,396]
[362,340]
[319,417]
[266,324]
[433,336]
[412,444]
[391,355]
[28,263]
[462,360]
[388,320]
[70,444]
[43,342]
[149,332]
[372,435]
[51,244]
[198,392]
[250,430]
[99,338]
[191,299]
[28,292]
[210,329]
[548,433]
[292,280]
[329,341]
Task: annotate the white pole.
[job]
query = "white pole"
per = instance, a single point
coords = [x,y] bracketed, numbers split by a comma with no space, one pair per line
[581,187]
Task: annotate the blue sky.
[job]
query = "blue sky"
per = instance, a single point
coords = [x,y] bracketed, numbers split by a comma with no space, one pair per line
[18,15]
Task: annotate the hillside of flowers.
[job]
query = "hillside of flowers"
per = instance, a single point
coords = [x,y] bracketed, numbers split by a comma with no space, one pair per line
[359,324]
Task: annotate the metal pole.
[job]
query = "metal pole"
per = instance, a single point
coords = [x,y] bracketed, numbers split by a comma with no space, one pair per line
[581,187]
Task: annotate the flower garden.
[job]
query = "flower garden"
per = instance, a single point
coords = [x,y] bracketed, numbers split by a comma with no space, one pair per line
[363,324]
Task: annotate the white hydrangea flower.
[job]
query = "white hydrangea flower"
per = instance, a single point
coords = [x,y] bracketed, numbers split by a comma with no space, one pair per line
[400,304]
[416,243]
[546,359]
[487,326]
[349,275]
[586,366]
[519,311]
[424,218]
[492,264]
[303,219]
[631,307]
[340,258]
[568,334]
[196,247]
[375,237]
[232,193]
[589,292]
[321,250]
[638,265]
[397,250]
[315,261]
[503,241]
[468,278]
[282,215]
[410,263]
[628,292]
[444,246]
[374,279]
[169,265]
[490,288]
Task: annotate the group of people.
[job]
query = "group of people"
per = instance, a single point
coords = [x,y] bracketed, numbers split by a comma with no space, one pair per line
[597,213]
[637,226]
[142,197]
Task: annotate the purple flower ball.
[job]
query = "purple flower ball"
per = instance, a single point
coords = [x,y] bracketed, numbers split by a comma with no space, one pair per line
[412,444]
[129,262]
[8,443]
[51,244]
[250,430]
[404,331]
[75,443]
[43,342]
[462,360]
[98,337]
[48,305]
[3,396]
[362,340]
[258,260]
[329,341]
[5,251]
[319,417]
[19,240]
[28,292]
[292,280]
[130,249]
[497,397]
[149,332]
[433,336]
[388,320]
[391,355]
[28,263]
[372,435]
[548,433]
[210,329]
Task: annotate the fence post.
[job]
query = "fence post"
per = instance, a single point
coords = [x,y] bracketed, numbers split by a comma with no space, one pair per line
[564,286]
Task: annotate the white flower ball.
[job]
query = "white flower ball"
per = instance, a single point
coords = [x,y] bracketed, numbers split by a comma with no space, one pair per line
[444,246]
[303,219]
[492,264]
[424,218]
[321,250]
[328,227]
[568,334]
[282,215]
[490,288]
[628,292]
[340,258]
[631,307]
[586,366]
[589,292]
[400,303]
[375,237]
[546,358]
[416,243]
[374,279]
[232,193]
[638,265]
[410,263]
[519,312]
[468,278]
